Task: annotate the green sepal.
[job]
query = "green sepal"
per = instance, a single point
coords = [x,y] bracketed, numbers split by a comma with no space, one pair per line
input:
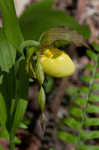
[41,99]
[39,72]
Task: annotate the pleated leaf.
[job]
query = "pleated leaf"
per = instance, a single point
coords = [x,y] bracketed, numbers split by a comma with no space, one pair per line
[22,82]
[41,17]
[19,114]
[7,53]
[10,22]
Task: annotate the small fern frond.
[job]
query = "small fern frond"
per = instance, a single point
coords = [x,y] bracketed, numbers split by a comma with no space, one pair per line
[83,108]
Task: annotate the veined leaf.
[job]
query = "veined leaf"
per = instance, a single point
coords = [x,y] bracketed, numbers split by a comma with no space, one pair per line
[20,110]
[7,53]
[40,17]
[8,80]
[10,22]
[22,82]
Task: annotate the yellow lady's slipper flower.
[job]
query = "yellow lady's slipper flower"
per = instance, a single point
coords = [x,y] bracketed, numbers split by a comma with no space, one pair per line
[56,63]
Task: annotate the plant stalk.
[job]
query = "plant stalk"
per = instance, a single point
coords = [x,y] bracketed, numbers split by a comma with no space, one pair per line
[12,143]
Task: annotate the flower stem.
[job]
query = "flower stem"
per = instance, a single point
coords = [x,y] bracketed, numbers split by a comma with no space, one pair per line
[12,143]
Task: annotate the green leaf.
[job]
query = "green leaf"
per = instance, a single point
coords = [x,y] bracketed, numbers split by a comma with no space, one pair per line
[72,91]
[22,82]
[40,17]
[88,147]
[71,122]
[86,78]
[8,93]
[67,137]
[95,86]
[97,75]
[1,78]
[80,101]
[90,67]
[3,111]
[87,135]
[61,33]
[1,148]
[10,22]
[84,90]
[49,84]
[92,108]
[92,121]
[94,98]
[4,133]
[23,126]
[96,46]
[19,114]
[7,53]
[76,112]
[42,99]
[92,55]
[17,140]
